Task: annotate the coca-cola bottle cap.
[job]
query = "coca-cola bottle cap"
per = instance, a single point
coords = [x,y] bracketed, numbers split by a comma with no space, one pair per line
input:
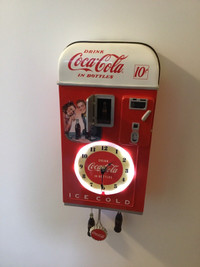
[98,232]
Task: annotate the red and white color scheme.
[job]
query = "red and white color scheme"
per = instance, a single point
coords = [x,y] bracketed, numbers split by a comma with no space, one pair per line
[107,103]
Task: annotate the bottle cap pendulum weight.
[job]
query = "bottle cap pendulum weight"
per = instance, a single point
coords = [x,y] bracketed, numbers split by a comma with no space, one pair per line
[98,232]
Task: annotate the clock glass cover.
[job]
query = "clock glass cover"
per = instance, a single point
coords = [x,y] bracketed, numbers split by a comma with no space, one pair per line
[104,168]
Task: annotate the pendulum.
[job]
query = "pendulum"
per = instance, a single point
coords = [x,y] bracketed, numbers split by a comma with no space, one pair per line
[98,232]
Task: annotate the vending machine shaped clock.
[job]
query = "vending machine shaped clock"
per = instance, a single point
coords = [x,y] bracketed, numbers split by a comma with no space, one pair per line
[107,103]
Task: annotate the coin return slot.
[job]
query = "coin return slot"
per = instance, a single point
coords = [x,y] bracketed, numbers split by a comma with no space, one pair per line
[134,137]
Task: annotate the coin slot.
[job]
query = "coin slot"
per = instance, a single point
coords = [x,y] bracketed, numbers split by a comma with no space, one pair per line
[135,125]
[134,137]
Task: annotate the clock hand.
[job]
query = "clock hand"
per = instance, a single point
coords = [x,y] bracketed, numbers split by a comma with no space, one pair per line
[102,187]
[102,173]
[103,170]
[108,165]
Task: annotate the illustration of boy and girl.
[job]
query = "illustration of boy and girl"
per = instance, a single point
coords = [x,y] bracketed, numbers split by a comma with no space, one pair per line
[73,115]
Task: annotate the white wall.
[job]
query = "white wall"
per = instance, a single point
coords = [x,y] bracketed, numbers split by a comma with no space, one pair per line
[36,230]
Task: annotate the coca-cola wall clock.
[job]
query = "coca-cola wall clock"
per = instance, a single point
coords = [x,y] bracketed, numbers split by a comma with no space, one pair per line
[104,168]
[107,102]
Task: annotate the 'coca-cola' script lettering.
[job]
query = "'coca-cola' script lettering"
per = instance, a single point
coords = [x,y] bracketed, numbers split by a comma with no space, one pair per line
[107,63]
[96,167]
[98,234]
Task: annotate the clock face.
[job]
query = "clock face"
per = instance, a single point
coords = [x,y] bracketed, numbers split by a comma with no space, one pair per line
[104,168]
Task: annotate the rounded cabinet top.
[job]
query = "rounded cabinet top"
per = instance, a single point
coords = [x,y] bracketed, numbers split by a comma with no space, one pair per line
[109,64]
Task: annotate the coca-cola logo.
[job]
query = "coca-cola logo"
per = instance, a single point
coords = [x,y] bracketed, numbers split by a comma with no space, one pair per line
[103,160]
[98,234]
[97,167]
[107,63]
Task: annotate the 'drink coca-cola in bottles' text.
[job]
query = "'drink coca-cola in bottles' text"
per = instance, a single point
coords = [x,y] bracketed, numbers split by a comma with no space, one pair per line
[103,63]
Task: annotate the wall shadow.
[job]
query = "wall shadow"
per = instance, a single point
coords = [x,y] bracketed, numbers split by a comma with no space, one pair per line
[164,228]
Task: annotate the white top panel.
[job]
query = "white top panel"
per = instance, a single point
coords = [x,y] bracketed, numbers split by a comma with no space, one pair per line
[124,65]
